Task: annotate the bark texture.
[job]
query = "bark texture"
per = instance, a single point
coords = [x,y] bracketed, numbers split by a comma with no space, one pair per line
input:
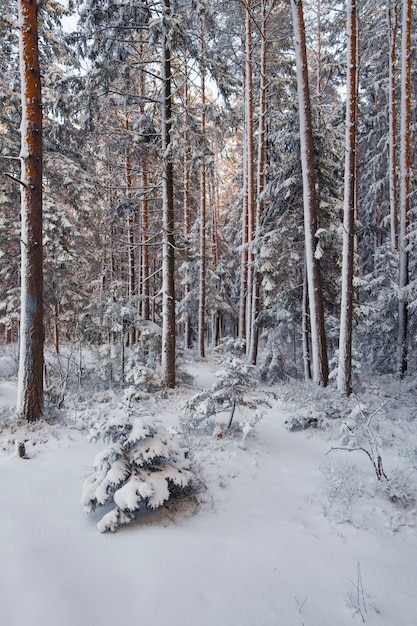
[203,211]
[30,378]
[168,249]
[344,375]
[392,17]
[318,335]
[405,152]
[260,181]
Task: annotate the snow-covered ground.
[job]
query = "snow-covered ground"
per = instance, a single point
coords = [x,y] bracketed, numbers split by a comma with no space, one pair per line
[284,534]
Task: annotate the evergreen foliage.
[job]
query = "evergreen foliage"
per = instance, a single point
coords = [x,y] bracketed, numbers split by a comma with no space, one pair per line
[142,466]
[236,388]
[103,171]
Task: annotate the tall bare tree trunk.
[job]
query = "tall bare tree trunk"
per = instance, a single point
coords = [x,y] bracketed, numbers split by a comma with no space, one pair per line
[318,335]
[344,374]
[250,166]
[405,170]
[56,326]
[203,208]
[254,337]
[393,196]
[244,253]
[130,230]
[146,285]
[168,257]
[30,377]
[305,329]
[215,203]
[186,212]
[319,60]
[145,278]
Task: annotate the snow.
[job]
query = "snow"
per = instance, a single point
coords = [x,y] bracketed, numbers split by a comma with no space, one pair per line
[269,543]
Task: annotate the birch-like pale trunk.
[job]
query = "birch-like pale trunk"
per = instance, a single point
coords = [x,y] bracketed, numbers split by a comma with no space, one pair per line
[31,360]
[250,166]
[392,12]
[344,373]
[168,249]
[404,205]
[244,253]
[318,334]
[319,74]
[260,179]
[305,330]
[215,203]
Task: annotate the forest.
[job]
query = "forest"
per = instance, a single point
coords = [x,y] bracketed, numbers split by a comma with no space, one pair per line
[221,170]
[208,232]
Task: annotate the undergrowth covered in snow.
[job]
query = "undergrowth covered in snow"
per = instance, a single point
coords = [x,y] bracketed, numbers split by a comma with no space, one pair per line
[141,464]
[339,466]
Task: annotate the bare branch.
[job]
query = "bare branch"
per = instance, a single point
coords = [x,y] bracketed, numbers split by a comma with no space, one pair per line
[16,180]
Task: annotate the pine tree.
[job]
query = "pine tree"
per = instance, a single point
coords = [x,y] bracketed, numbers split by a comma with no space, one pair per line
[168,256]
[235,389]
[318,334]
[405,167]
[344,378]
[141,466]
[30,378]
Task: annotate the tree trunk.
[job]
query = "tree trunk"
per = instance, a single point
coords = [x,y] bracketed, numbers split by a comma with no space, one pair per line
[344,374]
[254,337]
[168,258]
[56,326]
[130,232]
[245,239]
[186,211]
[146,286]
[318,335]
[30,377]
[145,282]
[250,167]
[305,329]
[405,171]
[203,211]
[319,61]
[393,199]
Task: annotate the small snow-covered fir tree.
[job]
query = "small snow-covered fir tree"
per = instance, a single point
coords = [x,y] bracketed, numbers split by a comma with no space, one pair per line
[235,387]
[141,466]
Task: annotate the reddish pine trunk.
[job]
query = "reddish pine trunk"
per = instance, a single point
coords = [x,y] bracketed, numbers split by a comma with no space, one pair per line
[393,26]
[30,380]
[202,284]
[145,280]
[405,170]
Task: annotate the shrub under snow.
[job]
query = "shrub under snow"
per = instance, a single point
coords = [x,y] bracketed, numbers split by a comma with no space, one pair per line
[140,467]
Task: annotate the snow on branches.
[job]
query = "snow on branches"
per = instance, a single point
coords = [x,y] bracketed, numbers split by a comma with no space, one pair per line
[141,466]
[235,387]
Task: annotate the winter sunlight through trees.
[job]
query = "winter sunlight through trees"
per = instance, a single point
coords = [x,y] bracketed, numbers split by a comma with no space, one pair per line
[208,312]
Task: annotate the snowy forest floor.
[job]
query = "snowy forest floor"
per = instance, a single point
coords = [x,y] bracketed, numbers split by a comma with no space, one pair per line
[282,532]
